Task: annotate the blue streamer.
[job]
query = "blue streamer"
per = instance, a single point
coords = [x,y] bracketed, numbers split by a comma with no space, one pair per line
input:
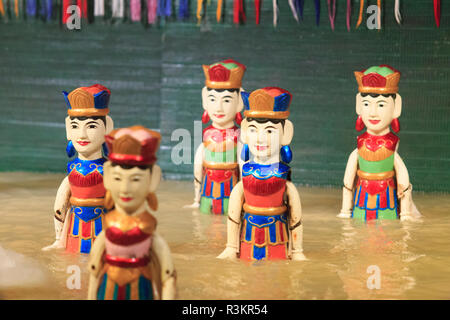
[46,9]
[164,8]
[317,4]
[31,8]
[299,5]
[183,10]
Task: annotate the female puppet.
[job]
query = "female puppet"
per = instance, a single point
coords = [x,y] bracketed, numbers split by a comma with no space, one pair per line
[381,189]
[216,168]
[270,227]
[129,259]
[78,208]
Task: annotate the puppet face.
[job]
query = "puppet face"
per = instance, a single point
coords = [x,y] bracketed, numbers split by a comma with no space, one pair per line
[221,106]
[377,113]
[128,187]
[87,135]
[264,139]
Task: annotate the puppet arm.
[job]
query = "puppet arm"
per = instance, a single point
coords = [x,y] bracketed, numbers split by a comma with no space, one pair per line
[404,189]
[198,176]
[347,188]
[60,208]
[295,222]
[168,272]
[234,222]
[95,265]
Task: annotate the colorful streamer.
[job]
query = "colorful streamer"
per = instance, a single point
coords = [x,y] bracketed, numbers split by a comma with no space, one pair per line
[199,11]
[437,12]
[82,4]
[135,10]
[152,7]
[257,11]
[331,13]
[293,9]
[238,11]
[379,14]
[219,10]
[31,8]
[349,13]
[164,8]
[118,8]
[398,16]
[65,15]
[275,12]
[361,10]
[99,8]
[2,9]
[16,8]
[46,9]
[317,5]
[297,9]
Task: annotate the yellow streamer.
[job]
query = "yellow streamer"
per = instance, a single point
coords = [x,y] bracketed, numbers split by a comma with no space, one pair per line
[199,10]
[361,9]
[2,10]
[16,8]
[219,10]
[379,14]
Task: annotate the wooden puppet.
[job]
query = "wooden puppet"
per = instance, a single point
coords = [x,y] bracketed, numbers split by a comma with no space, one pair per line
[376,181]
[129,259]
[79,210]
[216,167]
[270,226]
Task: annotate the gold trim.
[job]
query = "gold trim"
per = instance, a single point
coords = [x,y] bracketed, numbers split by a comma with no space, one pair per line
[375,176]
[223,166]
[392,81]
[378,155]
[87,112]
[264,211]
[266,114]
[93,202]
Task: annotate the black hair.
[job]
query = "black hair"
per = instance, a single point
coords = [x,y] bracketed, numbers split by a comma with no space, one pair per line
[374,95]
[127,166]
[103,118]
[222,90]
[264,120]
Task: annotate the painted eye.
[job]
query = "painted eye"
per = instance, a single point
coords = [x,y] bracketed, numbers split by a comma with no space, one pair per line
[136,180]
[366,104]
[381,105]
[269,131]
[212,99]
[92,126]
[74,126]
[227,101]
[117,179]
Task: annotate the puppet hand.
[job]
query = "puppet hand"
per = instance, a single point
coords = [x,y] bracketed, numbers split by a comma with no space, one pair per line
[192,206]
[55,245]
[298,256]
[344,215]
[228,253]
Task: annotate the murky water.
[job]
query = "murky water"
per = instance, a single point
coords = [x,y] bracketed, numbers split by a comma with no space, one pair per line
[413,258]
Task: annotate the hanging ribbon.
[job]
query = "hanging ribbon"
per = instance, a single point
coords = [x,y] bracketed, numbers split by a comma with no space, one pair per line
[135,10]
[2,9]
[379,14]
[118,8]
[152,8]
[275,12]
[349,13]
[331,13]
[164,8]
[199,11]
[65,15]
[317,5]
[219,10]
[293,9]
[257,11]
[46,9]
[82,4]
[437,12]
[31,8]
[361,9]
[238,11]
[183,9]
[16,8]
[397,14]
[99,8]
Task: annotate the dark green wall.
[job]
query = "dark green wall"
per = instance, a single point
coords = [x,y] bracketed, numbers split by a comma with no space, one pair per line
[155,76]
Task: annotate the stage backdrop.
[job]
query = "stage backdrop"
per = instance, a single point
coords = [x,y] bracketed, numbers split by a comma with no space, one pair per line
[155,76]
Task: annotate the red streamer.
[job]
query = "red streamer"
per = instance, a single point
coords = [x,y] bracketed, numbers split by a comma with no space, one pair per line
[238,11]
[257,10]
[437,12]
